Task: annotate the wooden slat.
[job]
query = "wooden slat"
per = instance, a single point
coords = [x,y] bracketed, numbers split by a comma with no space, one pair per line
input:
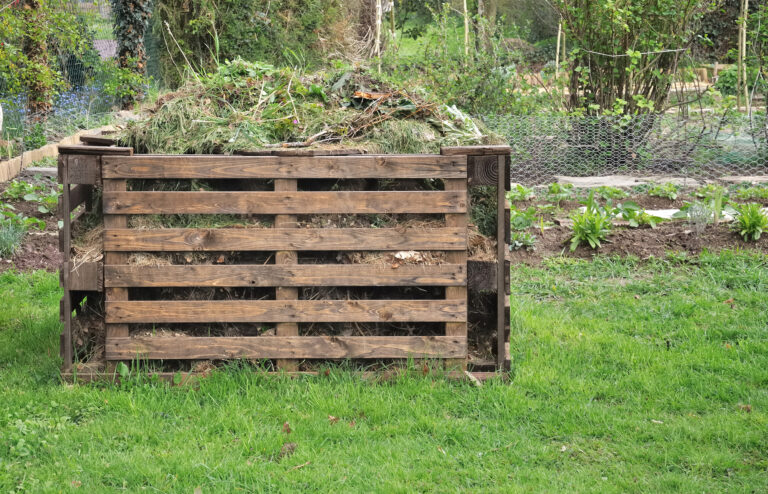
[286,257]
[304,239]
[389,166]
[86,276]
[97,140]
[297,275]
[457,293]
[77,195]
[115,294]
[298,152]
[475,150]
[291,347]
[67,354]
[501,250]
[283,202]
[192,311]
[83,169]
[96,150]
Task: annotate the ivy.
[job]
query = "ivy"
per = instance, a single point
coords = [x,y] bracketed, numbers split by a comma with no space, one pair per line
[131,20]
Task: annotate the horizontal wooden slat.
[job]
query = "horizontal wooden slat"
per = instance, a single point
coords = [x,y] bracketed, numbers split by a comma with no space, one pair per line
[86,276]
[96,150]
[77,195]
[302,239]
[292,347]
[190,311]
[284,275]
[284,202]
[390,166]
[97,140]
[483,150]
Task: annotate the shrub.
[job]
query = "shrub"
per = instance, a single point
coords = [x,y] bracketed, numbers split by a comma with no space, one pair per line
[751,221]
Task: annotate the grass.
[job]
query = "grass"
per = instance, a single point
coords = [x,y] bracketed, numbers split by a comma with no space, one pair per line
[11,235]
[627,376]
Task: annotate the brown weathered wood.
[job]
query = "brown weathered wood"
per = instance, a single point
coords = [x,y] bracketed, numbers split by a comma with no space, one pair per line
[501,250]
[113,294]
[381,166]
[459,293]
[507,223]
[303,239]
[482,170]
[284,202]
[267,275]
[475,150]
[97,140]
[96,150]
[83,169]
[286,257]
[66,305]
[481,275]
[299,152]
[286,347]
[141,311]
[77,195]
[86,276]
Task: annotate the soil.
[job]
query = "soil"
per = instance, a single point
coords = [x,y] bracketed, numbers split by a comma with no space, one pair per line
[39,249]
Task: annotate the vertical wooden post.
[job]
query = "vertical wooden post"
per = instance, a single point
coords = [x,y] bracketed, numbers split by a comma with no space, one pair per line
[66,301]
[286,257]
[112,221]
[501,276]
[458,220]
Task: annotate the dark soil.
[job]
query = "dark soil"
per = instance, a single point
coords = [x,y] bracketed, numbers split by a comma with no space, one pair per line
[39,249]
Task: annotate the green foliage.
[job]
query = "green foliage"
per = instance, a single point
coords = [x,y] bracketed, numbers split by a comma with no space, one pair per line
[612,61]
[727,81]
[131,20]
[522,240]
[607,192]
[635,215]
[557,192]
[47,198]
[11,235]
[35,137]
[755,192]
[125,83]
[522,219]
[482,211]
[591,226]
[8,216]
[710,192]
[667,191]
[751,221]
[282,32]
[520,193]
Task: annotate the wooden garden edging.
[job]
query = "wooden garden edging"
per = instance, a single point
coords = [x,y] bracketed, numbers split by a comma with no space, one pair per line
[82,168]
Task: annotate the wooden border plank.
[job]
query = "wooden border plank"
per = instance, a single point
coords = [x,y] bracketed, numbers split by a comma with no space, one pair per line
[369,202]
[114,294]
[268,239]
[194,311]
[347,167]
[66,305]
[475,150]
[286,347]
[296,275]
[96,150]
[501,250]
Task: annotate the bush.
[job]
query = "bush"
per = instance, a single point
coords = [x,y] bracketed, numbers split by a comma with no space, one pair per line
[727,80]
[751,221]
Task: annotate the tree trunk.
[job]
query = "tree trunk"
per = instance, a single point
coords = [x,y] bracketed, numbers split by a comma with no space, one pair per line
[35,48]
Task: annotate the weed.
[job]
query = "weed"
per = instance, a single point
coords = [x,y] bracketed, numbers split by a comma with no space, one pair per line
[523,240]
[667,191]
[751,221]
[11,235]
[520,193]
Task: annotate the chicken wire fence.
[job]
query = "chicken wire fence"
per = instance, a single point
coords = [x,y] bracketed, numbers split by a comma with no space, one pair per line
[703,147]
[84,101]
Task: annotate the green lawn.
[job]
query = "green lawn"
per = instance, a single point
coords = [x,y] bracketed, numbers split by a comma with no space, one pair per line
[627,376]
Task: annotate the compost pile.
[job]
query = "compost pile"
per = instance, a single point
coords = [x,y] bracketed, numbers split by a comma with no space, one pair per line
[249,106]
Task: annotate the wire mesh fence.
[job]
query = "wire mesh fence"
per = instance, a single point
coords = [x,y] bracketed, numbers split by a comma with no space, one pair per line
[702,147]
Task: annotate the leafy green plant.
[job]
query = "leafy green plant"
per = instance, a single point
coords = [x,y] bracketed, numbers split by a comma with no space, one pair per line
[8,215]
[520,193]
[559,192]
[710,192]
[608,192]
[47,199]
[751,221]
[756,192]
[635,215]
[591,226]
[667,191]
[522,240]
[521,220]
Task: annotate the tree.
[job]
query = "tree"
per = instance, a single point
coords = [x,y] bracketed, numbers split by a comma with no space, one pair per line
[624,53]
[131,19]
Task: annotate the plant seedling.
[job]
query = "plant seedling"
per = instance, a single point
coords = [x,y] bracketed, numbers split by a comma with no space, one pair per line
[751,221]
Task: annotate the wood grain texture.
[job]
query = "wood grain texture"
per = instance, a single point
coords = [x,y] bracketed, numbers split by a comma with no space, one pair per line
[283,202]
[459,293]
[299,152]
[96,150]
[86,276]
[286,347]
[97,140]
[502,249]
[361,166]
[296,275]
[83,169]
[475,150]
[191,311]
[286,257]
[115,294]
[303,239]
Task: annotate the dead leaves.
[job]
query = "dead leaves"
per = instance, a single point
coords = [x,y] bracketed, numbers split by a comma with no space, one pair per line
[287,428]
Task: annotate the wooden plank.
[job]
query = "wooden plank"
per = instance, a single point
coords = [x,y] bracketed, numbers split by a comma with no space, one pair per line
[189,311]
[96,150]
[86,276]
[66,305]
[475,150]
[363,166]
[266,239]
[284,202]
[83,169]
[501,250]
[286,257]
[77,195]
[289,347]
[97,140]
[482,170]
[299,152]
[112,221]
[458,293]
[267,275]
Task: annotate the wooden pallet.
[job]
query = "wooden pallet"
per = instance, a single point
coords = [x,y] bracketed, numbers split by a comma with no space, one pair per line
[109,167]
